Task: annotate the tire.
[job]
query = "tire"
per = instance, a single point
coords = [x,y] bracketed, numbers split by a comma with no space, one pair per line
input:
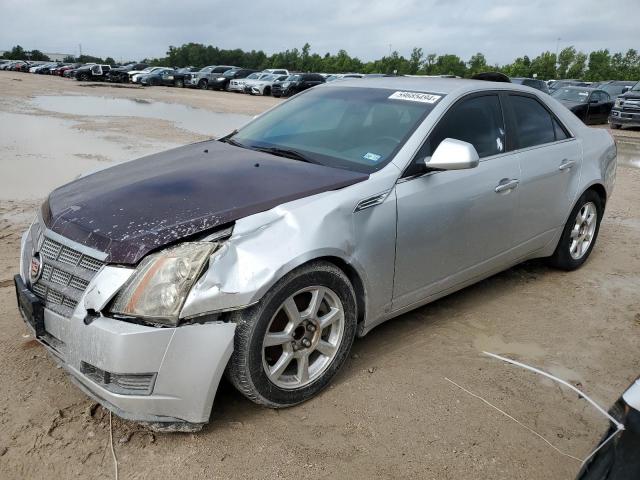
[179,83]
[203,84]
[615,126]
[569,255]
[289,386]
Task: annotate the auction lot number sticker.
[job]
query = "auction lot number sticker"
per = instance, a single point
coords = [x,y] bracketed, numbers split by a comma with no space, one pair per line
[415,97]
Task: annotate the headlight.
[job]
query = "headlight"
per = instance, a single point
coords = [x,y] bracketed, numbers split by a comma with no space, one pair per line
[220,79]
[161,283]
[286,84]
[618,103]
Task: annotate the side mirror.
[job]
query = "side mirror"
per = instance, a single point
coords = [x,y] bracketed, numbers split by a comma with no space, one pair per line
[453,154]
[625,89]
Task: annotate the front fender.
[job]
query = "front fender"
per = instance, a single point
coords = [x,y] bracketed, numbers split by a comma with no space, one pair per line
[264,248]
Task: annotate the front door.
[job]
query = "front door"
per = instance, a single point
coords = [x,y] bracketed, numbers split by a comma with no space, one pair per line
[453,226]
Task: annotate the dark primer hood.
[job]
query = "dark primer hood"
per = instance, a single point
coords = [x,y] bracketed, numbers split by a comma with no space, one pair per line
[136,207]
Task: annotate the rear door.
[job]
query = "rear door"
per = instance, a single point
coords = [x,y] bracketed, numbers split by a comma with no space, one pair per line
[550,161]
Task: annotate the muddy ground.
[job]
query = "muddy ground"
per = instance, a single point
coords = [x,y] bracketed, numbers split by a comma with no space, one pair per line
[390,413]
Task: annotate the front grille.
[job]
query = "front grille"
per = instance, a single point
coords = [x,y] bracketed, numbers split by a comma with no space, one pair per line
[66,273]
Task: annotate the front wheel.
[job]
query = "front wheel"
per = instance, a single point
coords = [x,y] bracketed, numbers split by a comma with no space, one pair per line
[203,84]
[179,83]
[580,233]
[289,345]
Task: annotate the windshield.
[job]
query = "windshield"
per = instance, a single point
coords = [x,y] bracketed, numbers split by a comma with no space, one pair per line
[229,73]
[253,76]
[636,87]
[357,129]
[571,94]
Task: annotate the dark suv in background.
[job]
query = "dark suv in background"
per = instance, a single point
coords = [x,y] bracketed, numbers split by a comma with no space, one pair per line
[222,81]
[626,109]
[296,83]
[120,74]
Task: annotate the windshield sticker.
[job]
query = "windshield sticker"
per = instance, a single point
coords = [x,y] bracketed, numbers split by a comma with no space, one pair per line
[372,157]
[415,97]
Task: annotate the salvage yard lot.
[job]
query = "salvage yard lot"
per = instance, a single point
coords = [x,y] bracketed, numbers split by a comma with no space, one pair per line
[390,413]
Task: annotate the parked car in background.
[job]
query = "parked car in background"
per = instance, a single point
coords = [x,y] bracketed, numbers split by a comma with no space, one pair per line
[567,83]
[626,109]
[243,84]
[203,78]
[296,83]
[317,221]
[590,105]
[135,77]
[276,71]
[264,85]
[21,66]
[93,72]
[531,82]
[615,87]
[338,76]
[178,77]
[121,74]
[221,82]
[156,77]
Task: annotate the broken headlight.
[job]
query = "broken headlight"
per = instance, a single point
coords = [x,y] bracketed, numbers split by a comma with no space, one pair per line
[158,289]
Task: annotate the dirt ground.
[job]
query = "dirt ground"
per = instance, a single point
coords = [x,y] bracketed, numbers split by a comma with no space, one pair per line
[390,413]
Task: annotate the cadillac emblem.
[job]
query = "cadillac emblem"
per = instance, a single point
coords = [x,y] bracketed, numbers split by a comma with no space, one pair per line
[35,270]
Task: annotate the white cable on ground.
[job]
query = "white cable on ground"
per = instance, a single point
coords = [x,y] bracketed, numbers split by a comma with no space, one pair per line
[514,419]
[113,452]
[619,426]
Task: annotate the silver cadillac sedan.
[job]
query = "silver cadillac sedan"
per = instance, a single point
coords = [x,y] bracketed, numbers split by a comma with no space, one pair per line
[263,254]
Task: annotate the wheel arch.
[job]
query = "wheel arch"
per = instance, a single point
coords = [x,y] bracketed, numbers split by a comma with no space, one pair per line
[600,190]
[355,279]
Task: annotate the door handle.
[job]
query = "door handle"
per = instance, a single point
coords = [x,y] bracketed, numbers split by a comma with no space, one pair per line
[566,164]
[507,185]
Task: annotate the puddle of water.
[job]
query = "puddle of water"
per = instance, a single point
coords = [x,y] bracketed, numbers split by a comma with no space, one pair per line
[628,153]
[39,153]
[195,120]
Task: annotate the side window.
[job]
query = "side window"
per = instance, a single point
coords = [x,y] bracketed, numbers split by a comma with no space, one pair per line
[477,120]
[561,133]
[534,125]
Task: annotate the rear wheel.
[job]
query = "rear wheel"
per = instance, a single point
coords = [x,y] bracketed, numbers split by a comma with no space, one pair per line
[289,345]
[580,233]
[203,84]
[179,83]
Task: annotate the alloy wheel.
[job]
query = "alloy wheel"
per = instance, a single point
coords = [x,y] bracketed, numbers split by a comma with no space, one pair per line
[583,230]
[303,337]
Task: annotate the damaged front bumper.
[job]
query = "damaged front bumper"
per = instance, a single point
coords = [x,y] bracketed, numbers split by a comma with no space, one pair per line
[166,377]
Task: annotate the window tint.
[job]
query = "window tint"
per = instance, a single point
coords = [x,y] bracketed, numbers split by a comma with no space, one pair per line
[477,120]
[534,125]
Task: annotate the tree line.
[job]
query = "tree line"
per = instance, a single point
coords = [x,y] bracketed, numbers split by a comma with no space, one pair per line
[568,63]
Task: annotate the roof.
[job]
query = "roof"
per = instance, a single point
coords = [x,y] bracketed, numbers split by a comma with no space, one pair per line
[444,86]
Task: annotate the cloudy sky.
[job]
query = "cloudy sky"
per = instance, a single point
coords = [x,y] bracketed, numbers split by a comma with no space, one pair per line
[134,29]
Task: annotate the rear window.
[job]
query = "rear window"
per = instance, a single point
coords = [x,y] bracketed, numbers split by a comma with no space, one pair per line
[534,124]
